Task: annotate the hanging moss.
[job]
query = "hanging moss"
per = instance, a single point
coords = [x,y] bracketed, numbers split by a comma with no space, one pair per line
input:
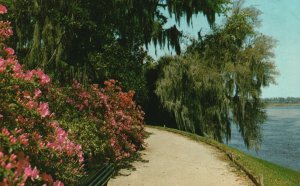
[217,82]
[61,35]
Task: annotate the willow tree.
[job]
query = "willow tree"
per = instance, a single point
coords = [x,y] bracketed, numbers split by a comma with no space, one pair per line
[218,80]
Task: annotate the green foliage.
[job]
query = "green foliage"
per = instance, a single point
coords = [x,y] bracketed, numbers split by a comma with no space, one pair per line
[106,121]
[219,78]
[34,149]
[155,112]
[108,65]
[86,132]
[83,39]
[281,100]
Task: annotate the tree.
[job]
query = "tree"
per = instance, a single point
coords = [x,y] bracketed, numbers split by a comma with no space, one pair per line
[65,37]
[218,80]
[155,113]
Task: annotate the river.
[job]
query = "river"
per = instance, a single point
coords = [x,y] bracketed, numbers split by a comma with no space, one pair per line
[281,137]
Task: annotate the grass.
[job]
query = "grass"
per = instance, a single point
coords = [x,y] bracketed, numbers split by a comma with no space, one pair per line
[272,174]
[282,104]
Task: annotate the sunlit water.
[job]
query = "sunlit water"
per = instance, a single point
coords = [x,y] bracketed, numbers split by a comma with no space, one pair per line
[281,137]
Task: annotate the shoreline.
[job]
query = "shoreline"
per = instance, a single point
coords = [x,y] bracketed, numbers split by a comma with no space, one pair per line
[281,104]
[260,170]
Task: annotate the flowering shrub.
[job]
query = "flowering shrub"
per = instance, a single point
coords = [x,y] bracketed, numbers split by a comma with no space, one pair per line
[33,147]
[111,127]
[124,121]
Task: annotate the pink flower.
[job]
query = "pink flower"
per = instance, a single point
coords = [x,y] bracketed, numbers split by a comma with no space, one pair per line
[3,9]
[34,174]
[58,183]
[31,104]
[84,95]
[13,157]
[37,93]
[28,76]
[54,124]
[27,172]
[1,61]
[23,139]
[2,68]
[9,51]
[9,32]
[8,166]
[17,131]
[44,79]
[86,102]
[17,68]
[112,142]
[21,119]
[5,132]
[6,30]
[80,107]
[41,144]
[78,147]
[81,158]
[12,139]
[44,110]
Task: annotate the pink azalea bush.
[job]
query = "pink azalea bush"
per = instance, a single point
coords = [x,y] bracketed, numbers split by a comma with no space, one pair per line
[124,121]
[34,149]
[106,121]
[42,125]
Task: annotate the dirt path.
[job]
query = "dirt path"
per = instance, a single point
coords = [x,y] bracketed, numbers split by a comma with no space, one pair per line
[176,160]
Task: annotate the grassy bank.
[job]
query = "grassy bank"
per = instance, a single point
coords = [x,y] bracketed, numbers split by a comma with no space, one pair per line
[272,174]
[281,104]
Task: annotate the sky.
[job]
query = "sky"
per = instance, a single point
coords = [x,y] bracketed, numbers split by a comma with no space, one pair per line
[281,20]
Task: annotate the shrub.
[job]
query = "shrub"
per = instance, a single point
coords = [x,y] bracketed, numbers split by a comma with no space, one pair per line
[124,121]
[106,121]
[34,149]
[38,146]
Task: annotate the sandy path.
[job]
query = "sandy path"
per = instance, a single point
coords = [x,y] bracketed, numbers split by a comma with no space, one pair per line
[176,160]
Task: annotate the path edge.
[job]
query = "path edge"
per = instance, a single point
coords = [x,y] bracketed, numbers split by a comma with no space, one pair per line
[256,180]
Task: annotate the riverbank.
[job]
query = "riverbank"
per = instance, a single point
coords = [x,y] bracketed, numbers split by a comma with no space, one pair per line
[270,173]
[282,104]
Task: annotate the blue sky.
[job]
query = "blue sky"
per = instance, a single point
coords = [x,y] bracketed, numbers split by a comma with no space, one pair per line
[281,20]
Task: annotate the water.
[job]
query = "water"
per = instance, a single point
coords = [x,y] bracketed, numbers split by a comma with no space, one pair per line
[281,137]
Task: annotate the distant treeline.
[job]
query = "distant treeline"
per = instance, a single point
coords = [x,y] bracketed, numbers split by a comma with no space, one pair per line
[282,100]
